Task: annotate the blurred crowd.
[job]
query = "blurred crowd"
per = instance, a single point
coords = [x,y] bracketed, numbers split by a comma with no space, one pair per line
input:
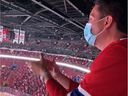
[16,75]
[77,49]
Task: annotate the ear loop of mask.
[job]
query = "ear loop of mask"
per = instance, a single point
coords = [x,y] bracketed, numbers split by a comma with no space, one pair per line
[100,31]
[99,21]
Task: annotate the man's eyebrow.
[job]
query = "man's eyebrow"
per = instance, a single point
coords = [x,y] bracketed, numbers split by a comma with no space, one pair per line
[91,14]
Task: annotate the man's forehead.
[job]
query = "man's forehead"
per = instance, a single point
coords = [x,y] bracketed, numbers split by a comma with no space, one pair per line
[94,11]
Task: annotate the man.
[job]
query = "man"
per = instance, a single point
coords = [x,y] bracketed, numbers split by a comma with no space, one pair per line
[107,31]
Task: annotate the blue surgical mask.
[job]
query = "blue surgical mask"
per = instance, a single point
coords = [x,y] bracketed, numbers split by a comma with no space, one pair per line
[90,38]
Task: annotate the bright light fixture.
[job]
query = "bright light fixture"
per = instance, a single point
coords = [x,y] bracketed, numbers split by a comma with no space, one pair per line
[73,67]
[19,57]
[37,59]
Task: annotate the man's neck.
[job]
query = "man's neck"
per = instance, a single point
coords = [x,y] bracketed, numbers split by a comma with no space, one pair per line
[108,39]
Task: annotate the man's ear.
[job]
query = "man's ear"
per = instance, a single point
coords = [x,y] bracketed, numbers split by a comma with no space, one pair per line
[108,21]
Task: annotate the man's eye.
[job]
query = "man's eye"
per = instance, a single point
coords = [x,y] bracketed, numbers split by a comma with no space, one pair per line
[91,18]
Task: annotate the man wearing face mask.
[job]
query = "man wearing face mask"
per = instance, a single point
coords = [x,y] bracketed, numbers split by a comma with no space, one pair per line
[90,38]
[107,30]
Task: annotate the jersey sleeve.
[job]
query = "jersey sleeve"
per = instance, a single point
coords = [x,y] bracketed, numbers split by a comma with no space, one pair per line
[55,89]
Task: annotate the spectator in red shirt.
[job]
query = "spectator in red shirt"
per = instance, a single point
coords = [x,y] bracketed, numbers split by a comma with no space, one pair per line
[107,31]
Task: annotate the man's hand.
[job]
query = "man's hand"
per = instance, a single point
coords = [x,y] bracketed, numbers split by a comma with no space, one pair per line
[37,67]
[41,68]
[54,70]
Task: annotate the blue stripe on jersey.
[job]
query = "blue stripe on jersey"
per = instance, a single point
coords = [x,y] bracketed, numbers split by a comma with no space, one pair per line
[76,92]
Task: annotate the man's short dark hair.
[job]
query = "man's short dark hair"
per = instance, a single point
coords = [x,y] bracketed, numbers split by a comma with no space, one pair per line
[117,9]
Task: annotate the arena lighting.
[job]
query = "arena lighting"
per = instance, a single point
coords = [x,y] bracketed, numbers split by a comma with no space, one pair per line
[73,66]
[19,57]
[37,59]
